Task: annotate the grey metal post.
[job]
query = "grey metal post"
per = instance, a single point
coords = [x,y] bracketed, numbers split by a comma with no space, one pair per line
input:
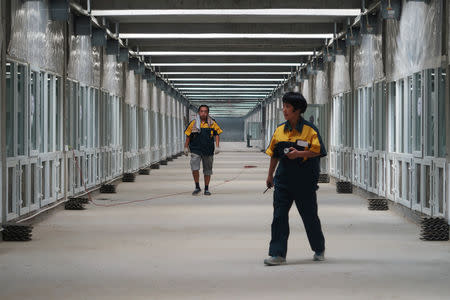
[3,108]
[352,112]
[66,110]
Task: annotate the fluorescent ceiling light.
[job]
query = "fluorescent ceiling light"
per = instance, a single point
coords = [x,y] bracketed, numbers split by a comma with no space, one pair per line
[226,106]
[226,88]
[229,106]
[226,79]
[226,95]
[179,84]
[226,35]
[230,109]
[228,101]
[252,91]
[241,103]
[226,73]
[227,64]
[225,53]
[228,12]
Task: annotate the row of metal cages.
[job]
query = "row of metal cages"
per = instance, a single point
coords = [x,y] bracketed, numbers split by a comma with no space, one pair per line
[165,139]
[254,130]
[416,183]
[390,139]
[58,145]
[152,137]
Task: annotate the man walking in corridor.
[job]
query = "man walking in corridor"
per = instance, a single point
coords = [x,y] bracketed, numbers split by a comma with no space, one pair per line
[296,147]
[201,133]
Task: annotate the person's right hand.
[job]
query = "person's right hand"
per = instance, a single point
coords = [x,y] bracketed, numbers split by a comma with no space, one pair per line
[269,181]
[186,151]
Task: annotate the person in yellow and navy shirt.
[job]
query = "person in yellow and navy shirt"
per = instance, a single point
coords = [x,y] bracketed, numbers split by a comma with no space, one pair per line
[296,147]
[200,141]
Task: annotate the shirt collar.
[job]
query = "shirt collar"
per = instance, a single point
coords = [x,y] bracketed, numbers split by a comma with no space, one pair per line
[299,127]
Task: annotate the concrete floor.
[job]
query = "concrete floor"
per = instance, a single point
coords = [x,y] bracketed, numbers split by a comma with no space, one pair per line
[186,247]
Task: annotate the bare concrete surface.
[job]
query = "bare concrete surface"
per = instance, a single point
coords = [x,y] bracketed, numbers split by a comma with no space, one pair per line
[199,247]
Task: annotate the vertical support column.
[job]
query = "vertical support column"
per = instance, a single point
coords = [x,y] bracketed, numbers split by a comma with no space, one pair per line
[263,125]
[327,112]
[150,121]
[185,118]
[65,115]
[138,123]
[122,105]
[178,127]
[445,53]
[186,114]
[446,49]
[155,137]
[159,123]
[170,141]
[4,41]
[352,112]
[162,122]
[168,126]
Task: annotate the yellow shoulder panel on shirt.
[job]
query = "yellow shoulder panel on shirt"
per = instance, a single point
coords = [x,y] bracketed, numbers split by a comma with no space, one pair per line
[216,127]
[188,130]
[313,140]
[276,137]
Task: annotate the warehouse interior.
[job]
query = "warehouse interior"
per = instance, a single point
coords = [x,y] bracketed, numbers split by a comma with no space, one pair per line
[95,98]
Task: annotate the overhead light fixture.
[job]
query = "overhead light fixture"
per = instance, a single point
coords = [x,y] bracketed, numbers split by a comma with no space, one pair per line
[228,84]
[226,101]
[226,88]
[291,64]
[225,109]
[225,73]
[227,79]
[225,53]
[227,95]
[226,35]
[229,12]
[225,105]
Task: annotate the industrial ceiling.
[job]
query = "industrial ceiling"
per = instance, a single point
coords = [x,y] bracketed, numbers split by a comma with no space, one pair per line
[228,54]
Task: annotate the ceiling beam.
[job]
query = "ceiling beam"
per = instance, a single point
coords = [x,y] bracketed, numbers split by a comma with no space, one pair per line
[227,44]
[225,101]
[179,68]
[228,84]
[224,4]
[234,90]
[222,47]
[294,60]
[227,27]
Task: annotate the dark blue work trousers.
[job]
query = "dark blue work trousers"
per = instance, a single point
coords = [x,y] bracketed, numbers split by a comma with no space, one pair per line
[306,202]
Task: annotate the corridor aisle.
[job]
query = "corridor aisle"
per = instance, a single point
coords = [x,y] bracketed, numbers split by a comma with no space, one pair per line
[199,247]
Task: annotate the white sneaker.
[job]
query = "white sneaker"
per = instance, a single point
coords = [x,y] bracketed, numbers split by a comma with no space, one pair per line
[319,256]
[274,261]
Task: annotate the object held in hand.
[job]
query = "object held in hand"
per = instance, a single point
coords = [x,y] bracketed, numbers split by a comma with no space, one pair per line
[286,150]
[267,189]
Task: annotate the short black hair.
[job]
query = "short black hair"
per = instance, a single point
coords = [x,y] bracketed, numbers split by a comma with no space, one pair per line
[296,100]
[203,105]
